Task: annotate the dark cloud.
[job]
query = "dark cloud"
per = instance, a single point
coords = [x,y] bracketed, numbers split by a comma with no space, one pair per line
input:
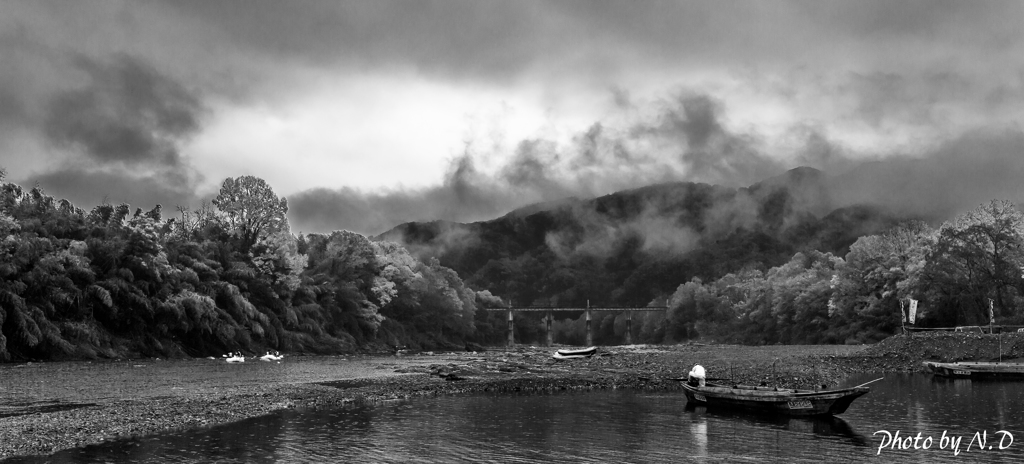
[501,41]
[923,19]
[685,142]
[89,188]
[621,98]
[819,151]
[532,166]
[119,124]
[888,97]
[465,194]
[453,38]
[127,112]
[709,152]
[699,121]
[599,233]
[882,68]
[25,74]
[956,176]
[588,144]
[12,111]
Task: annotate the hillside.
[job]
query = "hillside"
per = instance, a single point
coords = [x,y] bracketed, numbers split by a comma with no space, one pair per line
[633,246]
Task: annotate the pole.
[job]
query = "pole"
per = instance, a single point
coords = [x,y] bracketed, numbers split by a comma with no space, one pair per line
[903,318]
[991,316]
[590,334]
[629,327]
[866,383]
[511,336]
[547,324]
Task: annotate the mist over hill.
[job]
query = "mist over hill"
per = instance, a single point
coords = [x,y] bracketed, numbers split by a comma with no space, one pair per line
[634,246]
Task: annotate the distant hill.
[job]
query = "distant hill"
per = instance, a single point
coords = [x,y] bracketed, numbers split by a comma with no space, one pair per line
[633,246]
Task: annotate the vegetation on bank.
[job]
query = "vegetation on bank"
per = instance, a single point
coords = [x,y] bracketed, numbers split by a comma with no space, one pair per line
[230,275]
[113,282]
[777,262]
[961,273]
[965,272]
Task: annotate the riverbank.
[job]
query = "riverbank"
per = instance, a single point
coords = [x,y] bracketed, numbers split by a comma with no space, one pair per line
[47,407]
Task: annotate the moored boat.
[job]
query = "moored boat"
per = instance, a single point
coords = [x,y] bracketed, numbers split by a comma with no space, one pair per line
[792,402]
[977,370]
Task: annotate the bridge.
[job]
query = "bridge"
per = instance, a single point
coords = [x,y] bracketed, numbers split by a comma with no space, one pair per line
[549,317]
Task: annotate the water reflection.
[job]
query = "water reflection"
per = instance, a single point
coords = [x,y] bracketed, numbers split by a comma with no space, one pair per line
[699,430]
[826,427]
[608,426]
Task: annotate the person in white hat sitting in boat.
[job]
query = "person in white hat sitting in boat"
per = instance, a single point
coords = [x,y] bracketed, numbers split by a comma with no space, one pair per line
[696,377]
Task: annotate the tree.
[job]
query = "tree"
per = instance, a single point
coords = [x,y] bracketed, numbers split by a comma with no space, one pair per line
[978,258]
[346,265]
[879,272]
[253,210]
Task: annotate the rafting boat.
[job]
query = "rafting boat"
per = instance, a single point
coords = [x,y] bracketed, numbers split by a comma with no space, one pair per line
[976,370]
[790,402]
[269,357]
[574,354]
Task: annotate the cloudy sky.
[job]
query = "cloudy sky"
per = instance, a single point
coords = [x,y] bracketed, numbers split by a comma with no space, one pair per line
[372,113]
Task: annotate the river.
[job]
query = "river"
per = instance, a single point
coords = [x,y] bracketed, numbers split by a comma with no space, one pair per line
[611,426]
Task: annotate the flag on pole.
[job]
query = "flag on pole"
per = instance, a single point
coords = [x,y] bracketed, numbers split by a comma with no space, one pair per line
[913,311]
[903,312]
[991,313]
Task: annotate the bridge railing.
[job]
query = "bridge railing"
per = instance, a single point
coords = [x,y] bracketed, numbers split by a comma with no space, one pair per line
[549,317]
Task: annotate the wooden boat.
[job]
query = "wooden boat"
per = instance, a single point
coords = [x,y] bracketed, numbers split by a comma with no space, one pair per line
[773,400]
[976,370]
[574,354]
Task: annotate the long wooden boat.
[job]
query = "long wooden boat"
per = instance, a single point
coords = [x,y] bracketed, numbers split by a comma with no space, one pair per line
[976,370]
[773,400]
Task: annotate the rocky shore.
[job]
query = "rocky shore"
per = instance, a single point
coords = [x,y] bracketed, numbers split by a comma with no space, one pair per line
[47,407]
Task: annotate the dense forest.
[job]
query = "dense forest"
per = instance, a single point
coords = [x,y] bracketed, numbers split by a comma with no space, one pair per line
[113,282]
[767,264]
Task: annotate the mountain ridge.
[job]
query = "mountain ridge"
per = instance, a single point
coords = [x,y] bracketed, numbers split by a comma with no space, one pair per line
[631,246]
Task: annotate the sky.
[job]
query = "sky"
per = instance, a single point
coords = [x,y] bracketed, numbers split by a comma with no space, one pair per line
[368,114]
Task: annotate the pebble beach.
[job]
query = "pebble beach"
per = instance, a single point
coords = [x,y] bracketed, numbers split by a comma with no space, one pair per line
[48,407]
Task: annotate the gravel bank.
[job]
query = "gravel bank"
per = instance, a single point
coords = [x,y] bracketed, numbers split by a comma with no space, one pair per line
[46,407]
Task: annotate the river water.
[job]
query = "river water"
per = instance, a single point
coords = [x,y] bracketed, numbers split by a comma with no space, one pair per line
[611,426]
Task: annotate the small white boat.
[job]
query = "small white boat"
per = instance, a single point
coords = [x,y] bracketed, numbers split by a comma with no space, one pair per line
[235,358]
[276,356]
[575,354]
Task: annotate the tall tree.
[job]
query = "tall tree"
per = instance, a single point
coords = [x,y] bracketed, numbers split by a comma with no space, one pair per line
[253,210]
[879,272]
[978,258]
